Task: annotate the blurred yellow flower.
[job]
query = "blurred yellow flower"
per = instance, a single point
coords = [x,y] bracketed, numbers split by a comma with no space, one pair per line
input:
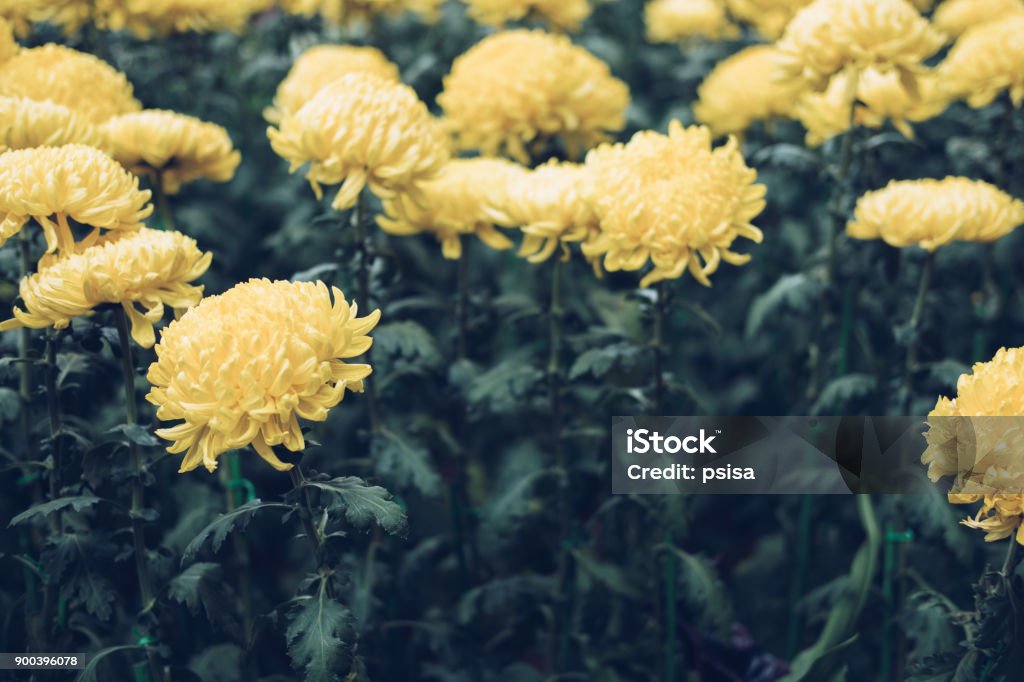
[567,15]
[319,66]
[88,86]
[932,213]
[26,123]
[360,11]
[673,21]
[55,184]
[148,18]
[16,14]
[968,440]
[880,97]
[363,130]
[516,90]
[468,197]
[8,46]
[69,15]
[241,368]
[832,36]
[549,205]
[953,17]
[741,90]
[673,200]
[173,148]
[986,60]
[769,17]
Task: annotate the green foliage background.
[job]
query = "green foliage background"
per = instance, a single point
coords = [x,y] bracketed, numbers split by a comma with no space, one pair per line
[493,561]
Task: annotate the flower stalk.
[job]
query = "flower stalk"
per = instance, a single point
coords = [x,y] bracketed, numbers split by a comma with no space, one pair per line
[915,327]
[364,249]
[312,532]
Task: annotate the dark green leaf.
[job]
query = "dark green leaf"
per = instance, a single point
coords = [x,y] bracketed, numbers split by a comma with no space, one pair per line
[797,292]
[76,503]
[89,672]
[405,461]
[363,504]
[319,637]
[218,530]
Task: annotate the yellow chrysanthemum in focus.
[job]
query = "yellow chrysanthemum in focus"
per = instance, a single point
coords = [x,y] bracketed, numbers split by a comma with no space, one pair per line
[549,204]
[673,200]
[880,97]
[932,213]
[986,60]
[953,17]
[54,184]
[769,17]
[567,15]
[673,21]
[741,90]
[8,46]
[172,147]
[26,123]
[88,86]
[468,197]
[975,438]
[832,36]
[345,12]
[363,130]
[241,368]
[519,89]
[320,65]
[148,18]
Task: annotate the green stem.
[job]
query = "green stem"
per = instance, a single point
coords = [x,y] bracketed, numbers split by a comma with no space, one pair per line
[24,365]
[661,310]
[803,553]
[915,328]
[230,476]
[836,213]
[56,442]
[163,205]
[313,533]
[364,249]
[671,568]
[462,302]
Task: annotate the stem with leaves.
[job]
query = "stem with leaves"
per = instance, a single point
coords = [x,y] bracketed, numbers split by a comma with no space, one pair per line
[53,412]
[915,328]
[313,533]
[365,253]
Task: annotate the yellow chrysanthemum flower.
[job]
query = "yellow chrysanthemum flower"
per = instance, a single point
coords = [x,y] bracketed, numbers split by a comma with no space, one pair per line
[149,268]
[832,36]
[345,12]
[469,196]
[241,368]
[174,148]
[769,17]
[932,213]
[363,130]
[8,46]
[549,204]
[55,184]
[953,17]
[320,65]
[741,90]
[880,97]
[88,86]
[986,60]
[673,21]
[968,441]
[566,15]
[16,14]
[519,89]
[673,200]
[26,123]
[148,18]
[69,15]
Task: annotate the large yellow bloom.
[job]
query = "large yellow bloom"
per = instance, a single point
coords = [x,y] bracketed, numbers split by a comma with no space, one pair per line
[27,123]
[549,204]
[319,66]
[967,439]
[831,36]
[174,148]
[673,21]
[986,60]
[146,18]
[519,89]
[363,130]
[88,86]
[469,196]
[361,11]
[769,17]
[741,90]
[54,184]
[932,213]
[953,17]
[149,268]
[241,368]
[567,15]
[673,200]
[880,97]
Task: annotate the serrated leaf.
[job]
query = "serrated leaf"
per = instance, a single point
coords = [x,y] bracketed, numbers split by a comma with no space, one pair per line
[70,559]
[839,393]
[89,672]
[75,503]
[407,340]
[514,592]
[318,637]
[609,575]
[796,292]
[218,530]
[599,361]
[504,388]
[201,585]
[136,433]
[362,503]
[788,157]
[403,460]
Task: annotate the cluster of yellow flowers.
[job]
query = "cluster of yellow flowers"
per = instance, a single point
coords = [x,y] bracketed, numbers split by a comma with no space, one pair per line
[515,91]
[953,17]
[673,21]
[932,213]
[968,441]
[347,12]
[987,59]
[566,15]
